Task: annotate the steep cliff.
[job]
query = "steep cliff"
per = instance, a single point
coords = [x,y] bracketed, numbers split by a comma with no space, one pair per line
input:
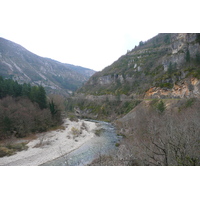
[164,64]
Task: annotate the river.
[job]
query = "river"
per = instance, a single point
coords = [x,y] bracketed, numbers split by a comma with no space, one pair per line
[98,145]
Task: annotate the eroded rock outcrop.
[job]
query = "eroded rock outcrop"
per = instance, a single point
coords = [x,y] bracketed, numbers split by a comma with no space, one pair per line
[187,88]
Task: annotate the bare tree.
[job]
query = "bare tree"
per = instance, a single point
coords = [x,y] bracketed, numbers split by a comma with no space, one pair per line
[170,138]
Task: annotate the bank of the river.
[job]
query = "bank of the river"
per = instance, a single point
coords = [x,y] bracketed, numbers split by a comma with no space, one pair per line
[51,145]
[102,144]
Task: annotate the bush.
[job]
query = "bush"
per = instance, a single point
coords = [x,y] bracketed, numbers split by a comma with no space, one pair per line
[17,147]
[117,144]
[72,118]
[166,85]
[189,102]
[161,106]
[98,132]
[75,132]
[158,105]
[5,152]
[10,149]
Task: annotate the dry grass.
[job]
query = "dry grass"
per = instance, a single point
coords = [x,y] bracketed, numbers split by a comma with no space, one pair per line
[55,128]
[11,149]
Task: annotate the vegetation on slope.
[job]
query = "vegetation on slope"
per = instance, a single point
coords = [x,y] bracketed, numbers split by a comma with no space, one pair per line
[101,109]
[159,136]
[160,62]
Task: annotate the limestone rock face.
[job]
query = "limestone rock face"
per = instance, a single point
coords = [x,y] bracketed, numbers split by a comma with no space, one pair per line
[162,62]
[180,43]
[104,80]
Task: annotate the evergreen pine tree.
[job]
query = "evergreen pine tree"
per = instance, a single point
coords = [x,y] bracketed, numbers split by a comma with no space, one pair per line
[41,98]
[187,56]
[53,108]
[161,106]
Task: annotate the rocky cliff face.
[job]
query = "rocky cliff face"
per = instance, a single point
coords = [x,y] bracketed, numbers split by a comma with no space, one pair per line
[23,66]
[161,62]
[180,44]
[187,88]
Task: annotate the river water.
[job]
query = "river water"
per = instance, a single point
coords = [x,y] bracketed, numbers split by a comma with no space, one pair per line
[92,149]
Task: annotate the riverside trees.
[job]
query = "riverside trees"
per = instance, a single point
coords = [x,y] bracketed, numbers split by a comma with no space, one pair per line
[24,109]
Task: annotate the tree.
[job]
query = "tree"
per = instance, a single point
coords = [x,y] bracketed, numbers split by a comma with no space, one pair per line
[168,139]
[141,43]
[53,108]
[26,90]
[167,39]
[198,37]
[41,97]
[170,68]
[161,106]
[38,95]
[17,88]
[187,57]
[6,122]
[198,58]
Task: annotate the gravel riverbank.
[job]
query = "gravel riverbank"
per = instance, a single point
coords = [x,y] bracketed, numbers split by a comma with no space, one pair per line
[53,144]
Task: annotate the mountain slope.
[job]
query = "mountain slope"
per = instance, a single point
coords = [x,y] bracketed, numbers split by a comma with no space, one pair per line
[20,64]
[158,64]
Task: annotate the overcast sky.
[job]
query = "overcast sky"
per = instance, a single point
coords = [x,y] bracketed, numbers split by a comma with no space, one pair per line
[88,33]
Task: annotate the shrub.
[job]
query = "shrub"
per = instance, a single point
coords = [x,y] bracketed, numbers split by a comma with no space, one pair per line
[189,102]
[75,131]
[166,85]
[10,149]
[17,147]
[98,132]
[161,106]
[5,152]
[158,105]
[117,144]
[154,102]
[73,118]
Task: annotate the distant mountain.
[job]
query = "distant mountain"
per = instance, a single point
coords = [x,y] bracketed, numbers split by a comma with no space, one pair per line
[23,66]
[168,65]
